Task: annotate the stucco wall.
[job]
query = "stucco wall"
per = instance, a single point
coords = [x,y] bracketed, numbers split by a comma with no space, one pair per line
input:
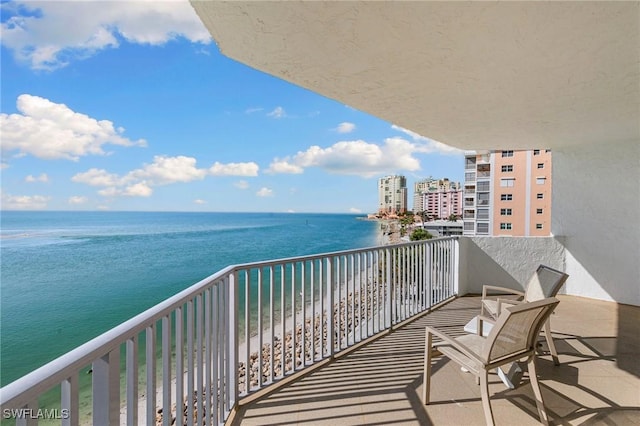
[505,261]
[596,207]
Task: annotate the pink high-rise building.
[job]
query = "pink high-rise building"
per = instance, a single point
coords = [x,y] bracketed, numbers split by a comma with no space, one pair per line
[438,198]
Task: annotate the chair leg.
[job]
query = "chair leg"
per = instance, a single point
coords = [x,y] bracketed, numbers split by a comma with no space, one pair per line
[549,338]
[426,383]
[533,377]
[484,391]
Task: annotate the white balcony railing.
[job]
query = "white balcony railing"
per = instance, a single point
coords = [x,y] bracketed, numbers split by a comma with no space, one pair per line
[238,331]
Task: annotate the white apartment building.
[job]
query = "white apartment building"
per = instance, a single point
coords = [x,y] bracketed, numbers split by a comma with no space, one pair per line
[392,194]
[507,193]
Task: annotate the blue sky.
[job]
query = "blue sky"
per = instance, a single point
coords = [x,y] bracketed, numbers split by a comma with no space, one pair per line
[130,106]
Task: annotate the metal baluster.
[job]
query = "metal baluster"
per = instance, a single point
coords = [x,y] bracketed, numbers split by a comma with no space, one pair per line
[150,355]
[69,405]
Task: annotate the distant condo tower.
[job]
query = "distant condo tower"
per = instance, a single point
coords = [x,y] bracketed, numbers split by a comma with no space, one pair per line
[437,198]
[392,194]
[507,193]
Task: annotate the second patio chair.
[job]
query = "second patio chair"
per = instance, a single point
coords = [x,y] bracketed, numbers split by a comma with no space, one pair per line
[545,282]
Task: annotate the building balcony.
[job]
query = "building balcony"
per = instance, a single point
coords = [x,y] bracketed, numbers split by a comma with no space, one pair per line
[381,383]
[349,351]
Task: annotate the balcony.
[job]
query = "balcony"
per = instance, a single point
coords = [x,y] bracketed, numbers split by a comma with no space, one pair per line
[358,362]
[381,382]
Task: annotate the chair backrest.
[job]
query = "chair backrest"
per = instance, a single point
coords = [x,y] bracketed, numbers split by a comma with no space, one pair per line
[546,282]
[517,328]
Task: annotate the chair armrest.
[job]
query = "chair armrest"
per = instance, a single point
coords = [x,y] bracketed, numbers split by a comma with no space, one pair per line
[505,303]
[457,345]
[500,289]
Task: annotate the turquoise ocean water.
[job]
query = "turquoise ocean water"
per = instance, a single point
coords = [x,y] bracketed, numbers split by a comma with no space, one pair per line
[66,277]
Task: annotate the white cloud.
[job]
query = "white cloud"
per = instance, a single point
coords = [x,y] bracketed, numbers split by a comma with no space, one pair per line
[162,171]
[140,189]
[4,165]
[32,179]
[241,184]
[252,110]
[199,201]
[24,202]
[234,169]
[345,127]
[97,177]
[354,158]
[284,166]
[278,112]
[264,192]
[429,145]
[50,34]
[354,210]
[53,131]
[167,170]
[77,199]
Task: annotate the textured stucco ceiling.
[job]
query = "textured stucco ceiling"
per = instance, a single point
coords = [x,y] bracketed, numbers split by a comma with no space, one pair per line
[475,75]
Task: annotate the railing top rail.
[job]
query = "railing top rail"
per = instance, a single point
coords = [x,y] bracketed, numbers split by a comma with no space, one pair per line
[21,391]
[294,259]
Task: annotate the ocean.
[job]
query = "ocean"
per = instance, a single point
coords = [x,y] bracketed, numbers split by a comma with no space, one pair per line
[67,277]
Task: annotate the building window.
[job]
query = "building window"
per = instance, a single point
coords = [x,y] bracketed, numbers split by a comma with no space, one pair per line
[483,213]
[507,168]
[507,153]
[506,183]
[505,226]
[540,181]
[483,199]
[469,176]
[547,150]
[538,226]
[505,212]
[482,228]
[470,163]
[483,187]
[506,197]
[539,195]
[541,165]
[538,211]
[536,152]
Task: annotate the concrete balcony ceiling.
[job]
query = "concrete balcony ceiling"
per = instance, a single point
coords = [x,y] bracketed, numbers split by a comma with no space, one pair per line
[475,75]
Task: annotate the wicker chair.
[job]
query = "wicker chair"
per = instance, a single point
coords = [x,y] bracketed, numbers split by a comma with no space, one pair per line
[513,337]
[545,282]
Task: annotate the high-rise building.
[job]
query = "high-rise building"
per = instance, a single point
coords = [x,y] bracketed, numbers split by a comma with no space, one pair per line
[507,193]
[439,198]
[392,194]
